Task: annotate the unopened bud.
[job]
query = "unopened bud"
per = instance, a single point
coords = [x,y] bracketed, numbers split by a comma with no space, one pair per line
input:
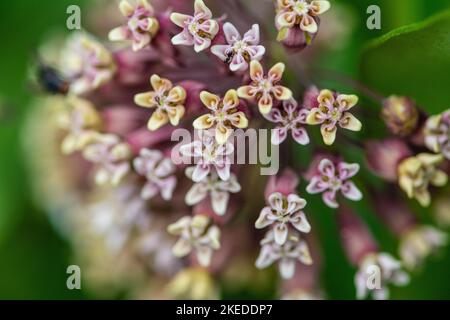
[400,115]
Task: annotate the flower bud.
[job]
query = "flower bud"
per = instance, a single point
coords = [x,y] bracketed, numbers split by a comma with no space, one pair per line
[400,115]
[295,39]
[286,183]
[383,157]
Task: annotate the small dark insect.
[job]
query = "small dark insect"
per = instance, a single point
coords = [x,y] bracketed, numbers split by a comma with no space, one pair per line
[230,56]
[50,80]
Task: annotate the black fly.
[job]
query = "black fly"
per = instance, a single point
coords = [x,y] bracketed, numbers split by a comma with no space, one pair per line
[50,79]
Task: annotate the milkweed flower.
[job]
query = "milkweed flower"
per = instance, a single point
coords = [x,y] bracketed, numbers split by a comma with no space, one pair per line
[208,156]
[333,110]
[86,63]
[239,51]
[390,271]
[400,114]
[218,190]
[224,115]
[290,117]
[299,14]
[198,30]
[437,133]
[417,173]
[141,25]
[193,283]
[111,156]
[420,242]
[332,178]
[265,88]
[287,255]
[282,212]
[167,100]
[159,172]
[196,233]
[82,121]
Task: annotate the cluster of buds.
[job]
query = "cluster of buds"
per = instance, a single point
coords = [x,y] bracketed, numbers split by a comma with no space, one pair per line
[178,211]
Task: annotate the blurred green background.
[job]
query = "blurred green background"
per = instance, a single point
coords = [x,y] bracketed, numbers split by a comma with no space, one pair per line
[33,258]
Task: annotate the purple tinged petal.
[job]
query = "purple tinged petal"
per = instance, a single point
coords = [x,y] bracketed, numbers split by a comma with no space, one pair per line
[279,134]
[347,170]
[350,191]
[280,232]
[200,172]
[231,33]
[300,136]
[316,185]
[329,198]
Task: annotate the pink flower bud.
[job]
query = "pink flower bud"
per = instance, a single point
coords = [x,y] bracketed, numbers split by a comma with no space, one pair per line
[355,236]
[286,183]
[384,156]
[400,115]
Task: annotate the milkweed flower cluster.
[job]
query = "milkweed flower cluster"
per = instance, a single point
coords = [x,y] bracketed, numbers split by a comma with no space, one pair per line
[142,155]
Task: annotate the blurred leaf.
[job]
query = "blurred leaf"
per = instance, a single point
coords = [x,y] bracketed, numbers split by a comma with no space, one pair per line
[413,61]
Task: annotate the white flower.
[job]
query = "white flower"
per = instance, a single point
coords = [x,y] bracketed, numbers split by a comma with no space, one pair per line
[294,249]
[196,233]
[282,212]
[390,272]
[218,190]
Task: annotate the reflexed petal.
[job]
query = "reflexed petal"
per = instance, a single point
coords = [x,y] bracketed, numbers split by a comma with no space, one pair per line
[314,117]
[308,24]
[231,98]
[265,219]
[325,96]
[219,201]
[231,33]
[222,133]
[256,70]
[300,136]
[239,120]
[275,200]
[126,8]
[279,134]
[329,198]
[303,253]
[177,95]
[197,193]
[146,99]
[265,258]
[265,104]
[149,191]
[350,191]
[329,136]
[295,203]
[220,51]
[183,38]
[201,44]
[347,101]
[423,196]
[282,93]
[252,36]
[211,101]
[280,232]
[276,73]
[205,121]
[286,19]
[157,120]
[179,19]
[347,170]
[201,8]
[300,222]
[316,185]
[348,121]
[160,84]
[223,171]
[118,34]
[407,185]
[430,159]
[246,92]
[320,6]
[181,248]
[200,172]
[287,268]
[167,187]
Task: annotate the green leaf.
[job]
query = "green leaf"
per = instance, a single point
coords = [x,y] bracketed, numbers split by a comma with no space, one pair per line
[412,61]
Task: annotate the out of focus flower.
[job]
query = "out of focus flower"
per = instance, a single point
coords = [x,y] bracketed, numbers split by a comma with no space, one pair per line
[291,117]
[287,255]
[390,272]
[196,233]
[239,51]
[437,133]
[209,155]
[86,63]
[332,178]
[141,24]
[159,172]
[383,157]
[420,242]
[285,183]
[282,212]
[400,115]
[217,189]
[198,30]
[82,121]
[300,294]
[417,173]
[265,89]
[193,283]
[111,156]
[299,17]
[224,115]
[333,110]
[441,210]
[167,100]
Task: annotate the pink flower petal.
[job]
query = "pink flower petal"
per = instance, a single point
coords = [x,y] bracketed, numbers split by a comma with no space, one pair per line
[350,191]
